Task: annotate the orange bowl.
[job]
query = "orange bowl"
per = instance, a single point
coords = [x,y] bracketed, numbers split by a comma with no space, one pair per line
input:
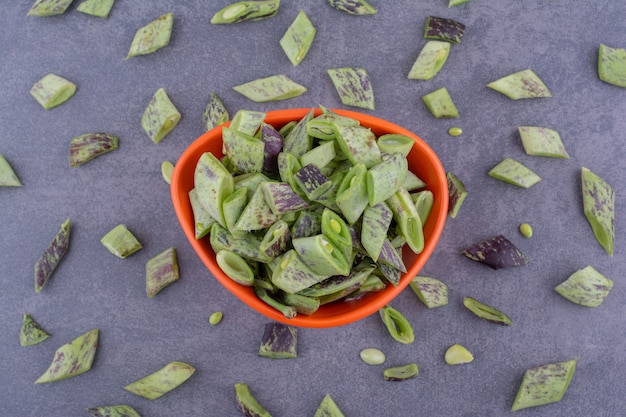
[422,161]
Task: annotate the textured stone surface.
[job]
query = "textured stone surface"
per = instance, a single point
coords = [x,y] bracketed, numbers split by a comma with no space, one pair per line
[558,39]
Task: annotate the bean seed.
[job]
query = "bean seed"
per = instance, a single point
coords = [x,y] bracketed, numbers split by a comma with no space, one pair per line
[215,318]
[372,356]
[526,230]
[455,131]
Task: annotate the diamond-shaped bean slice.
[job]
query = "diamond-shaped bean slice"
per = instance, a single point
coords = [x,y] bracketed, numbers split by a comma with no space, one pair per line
[72,359]
[586,287]
[443,29]
[513,172]
[496,252]
[544,384]
[541,141]
[522,84]
[612,65]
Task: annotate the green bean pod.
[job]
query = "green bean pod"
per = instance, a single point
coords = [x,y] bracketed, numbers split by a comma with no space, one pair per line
[424,201]
[486,312]
[276,239]
[49,260]
[98,8]
[272,88]
[161,271]
[359,145]
[48,7]
[328,408]
[202,220]
[599,208]
[243,11]
[152,37]
[160,117]
[235,267]
[113,410]
[337,232]
[353,86]
[31,332]
[401,373]
[72,359]
[213,183]
[257,215]
[298,38]
[279,341]
[398,326]
[52,90]
[320,255]
[247,121]
[406,216]
[385,178]
[351,196]
[246,403]
[120,241]
[215,113]
[293,275]
[354,7]
[287,311]
[161,382]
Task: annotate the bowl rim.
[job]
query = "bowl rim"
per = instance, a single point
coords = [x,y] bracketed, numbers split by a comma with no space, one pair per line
[434,226]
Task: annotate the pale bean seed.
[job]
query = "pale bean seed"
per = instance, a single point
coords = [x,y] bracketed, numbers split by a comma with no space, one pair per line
[526,230]
[455,131]
[215,318]
[372,356]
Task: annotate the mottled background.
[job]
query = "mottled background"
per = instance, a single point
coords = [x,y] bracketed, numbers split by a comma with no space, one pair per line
[558,39]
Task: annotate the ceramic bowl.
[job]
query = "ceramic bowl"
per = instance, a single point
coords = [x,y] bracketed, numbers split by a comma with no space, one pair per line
[422,160]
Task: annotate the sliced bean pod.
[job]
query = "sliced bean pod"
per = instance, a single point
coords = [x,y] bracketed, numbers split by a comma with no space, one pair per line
[160,117]
[52,90]
[406,216]
[496,252]
[321,155]
[215,113]
[247,246]
[599,208]
[424,201]
[279,341]
[120,241]
[440,104]
[337,232]
[386,178]
[245,152]
[375,225]
[246,403]
[430,60]
[113,411]
[453,3]
[522,84]
[247,121]
[351,196]
[72,359]
[31,332]
[298,142]
[272,88]
[7,175]
[486,312]
[541,141]
[201,218]
[312,181]
[354,7]
[401,373]
[56,250]
[612,65]
[321,256]
[48,7]
[84,148]
[513,172]
[298,38]
[359,145]
[276,239]
[235,267]
[431,291]
[303,304]
[233,206]
[443,29]
[336,284]
[257,215]
[98,8]
[586,287]
[353,86]
[161,271]
[395,142]
[213,183]
[287,311]
[328,408]
[273,141]
[161,382]
[544,384]
[152,37]
[457,193]
[243,11]
[292,275]
[398,326]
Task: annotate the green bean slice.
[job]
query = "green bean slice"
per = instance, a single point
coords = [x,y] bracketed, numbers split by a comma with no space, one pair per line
[519,85]
[72,359]
[354,7]
[161,271]
[161,382]
[120,241]
[513,172]
[353,86]
[272,88]
[113,411]
[298,38]
[8,178]
[52,90]
[152,37]
[486,312]
[49,7]
[31,332]
[246,403]
[599,208]
[440,104]
[401,373]
[328,408]
[397,324]
[612,65]
[84,148]
[52,256]
[235,267]
[160,117]
[243,11]
[541,141]
[98,8]
[544,384]
[215,113]
[586,287]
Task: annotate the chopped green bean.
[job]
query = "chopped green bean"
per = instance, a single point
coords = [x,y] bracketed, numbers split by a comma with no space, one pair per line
[72,359]
[401,373]
[353,86]
[328,408]
[272,88]
[354,7]
[452,3]
[246,403]
[522,84]
[443,29]
[160,117]
[397,324]
[98,8]
[287,311]
[31,332]
[599,208]
[243,11]
[457,193]
[431,291]
[120,242]
[213,183]
[113,411]
[162,381]
[235,267]
[612,65]
[48,7]
[586,287]
[541,141]
[84,148]
[8,178]
[440,104]
[298,38]
[56,250]
[386,178]
[424,201]
[152,37]
[375,225]
[513,172]
[279,341]
[395,142]
[486,312]
[430,60]
[52,90]
[544,384]
[215,113]
[161,271]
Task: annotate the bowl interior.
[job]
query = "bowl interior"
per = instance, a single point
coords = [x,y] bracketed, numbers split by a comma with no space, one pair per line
[421,160]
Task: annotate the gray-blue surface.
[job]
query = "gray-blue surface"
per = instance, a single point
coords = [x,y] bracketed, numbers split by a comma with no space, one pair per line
[91,288]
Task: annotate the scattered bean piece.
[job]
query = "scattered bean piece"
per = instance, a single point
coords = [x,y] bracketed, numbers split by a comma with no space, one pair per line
[246,403]
[72,359]
[457,193]
[215,113]
[272,88]
[161,382]
[372,356]
[486,312]
[526,230]
[457,354]
[56,250]
[544,384]
[160,117]
[452,3]
[298,38]
[455,131]
[541,141]
[496,252]
[353,86]
[612,65]
[243,11]
[120,241]
[84,148]
[98,8]
[153,36]
[355,7]
[398,326]
[586,287]
[599,208]
[7,175]
[430,60]
[161,271]
[279,341]
[113,411]
[444,29]
[49,7]
[31,333]
[215,318]
[513,172]
[328,408]
[440,104]
[167,169]
[52,90]
[522,84]
[401,373]
[431,291]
